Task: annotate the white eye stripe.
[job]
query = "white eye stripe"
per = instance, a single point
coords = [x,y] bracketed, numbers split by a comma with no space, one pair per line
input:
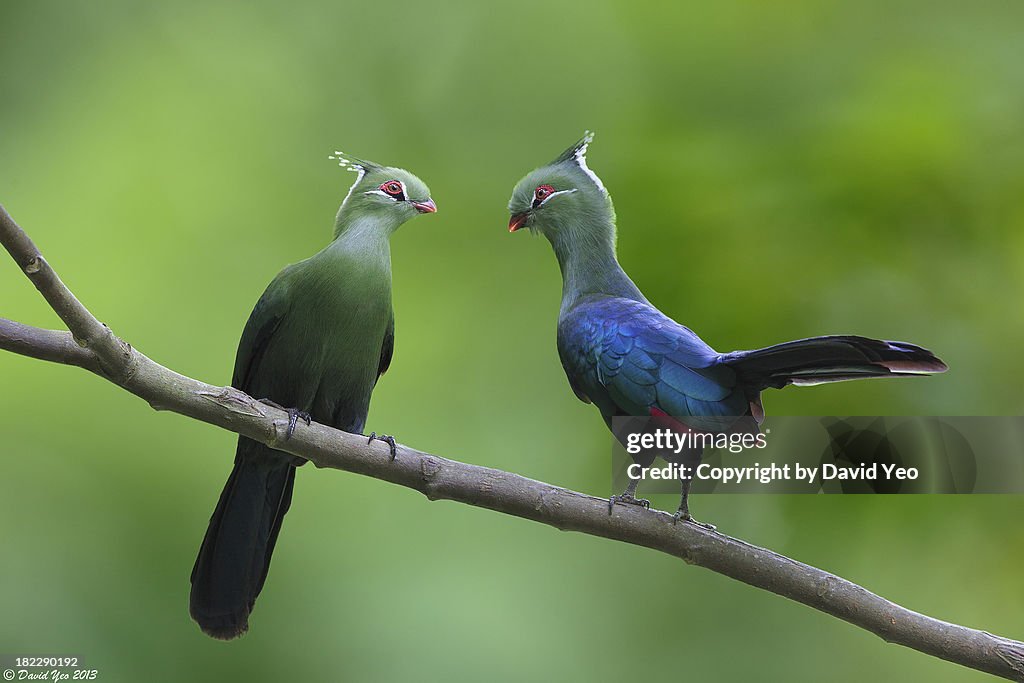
[554,194]
[382,193]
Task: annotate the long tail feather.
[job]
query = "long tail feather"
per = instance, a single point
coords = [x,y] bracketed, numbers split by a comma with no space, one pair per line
[235,556]
[830,359]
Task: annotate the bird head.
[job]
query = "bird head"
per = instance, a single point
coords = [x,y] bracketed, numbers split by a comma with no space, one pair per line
[392,194]
[563,192]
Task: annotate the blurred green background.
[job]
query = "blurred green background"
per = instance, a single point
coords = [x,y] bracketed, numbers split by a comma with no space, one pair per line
[779,170]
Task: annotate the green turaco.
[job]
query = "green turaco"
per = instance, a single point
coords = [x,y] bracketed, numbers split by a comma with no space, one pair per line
[629,359]
[317,341]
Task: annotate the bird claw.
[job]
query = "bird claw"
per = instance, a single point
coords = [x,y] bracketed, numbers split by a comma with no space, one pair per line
[684,515]
[628,500]
[389,440]
[294,415]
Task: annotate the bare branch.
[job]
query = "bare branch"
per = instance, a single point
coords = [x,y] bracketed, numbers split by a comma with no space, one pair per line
[438,478]
[112,354]
[52,345]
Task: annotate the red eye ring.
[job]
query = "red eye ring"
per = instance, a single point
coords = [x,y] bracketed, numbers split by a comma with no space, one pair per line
[393,188]
[543,192]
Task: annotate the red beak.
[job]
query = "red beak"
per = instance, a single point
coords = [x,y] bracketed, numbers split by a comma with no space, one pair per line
[517,222]
[425,207]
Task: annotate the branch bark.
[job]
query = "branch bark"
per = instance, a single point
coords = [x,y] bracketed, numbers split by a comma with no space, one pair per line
[92,346]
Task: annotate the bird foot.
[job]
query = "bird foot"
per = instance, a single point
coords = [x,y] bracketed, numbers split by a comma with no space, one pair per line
[684,515]
[627,499]
[389,440]
[294,415]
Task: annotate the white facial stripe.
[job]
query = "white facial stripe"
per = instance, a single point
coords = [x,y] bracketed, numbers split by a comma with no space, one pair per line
[581,159]
[358,169]
[554,194]
[382,193]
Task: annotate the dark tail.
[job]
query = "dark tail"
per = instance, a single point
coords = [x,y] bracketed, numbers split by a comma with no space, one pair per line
[830,359]
[235,556]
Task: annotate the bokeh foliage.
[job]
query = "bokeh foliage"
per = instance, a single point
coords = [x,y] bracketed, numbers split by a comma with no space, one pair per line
[779,170]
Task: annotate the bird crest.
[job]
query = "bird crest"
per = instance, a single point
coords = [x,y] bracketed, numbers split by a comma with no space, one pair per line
[353,163]
[577,155]
[358,166]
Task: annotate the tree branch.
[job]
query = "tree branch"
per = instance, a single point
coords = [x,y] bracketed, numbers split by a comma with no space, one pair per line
[52,345]
[92,346]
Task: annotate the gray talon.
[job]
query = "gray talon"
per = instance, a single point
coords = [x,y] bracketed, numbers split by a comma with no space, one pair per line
[389,440]
[294,415]
[627,499]
[686,517]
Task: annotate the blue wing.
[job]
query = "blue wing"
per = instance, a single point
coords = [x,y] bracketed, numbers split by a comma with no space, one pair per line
[630,359]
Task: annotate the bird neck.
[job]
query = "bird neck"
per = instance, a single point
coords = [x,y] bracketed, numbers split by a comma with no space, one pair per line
[356,221]
[363,238]
[586,257]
